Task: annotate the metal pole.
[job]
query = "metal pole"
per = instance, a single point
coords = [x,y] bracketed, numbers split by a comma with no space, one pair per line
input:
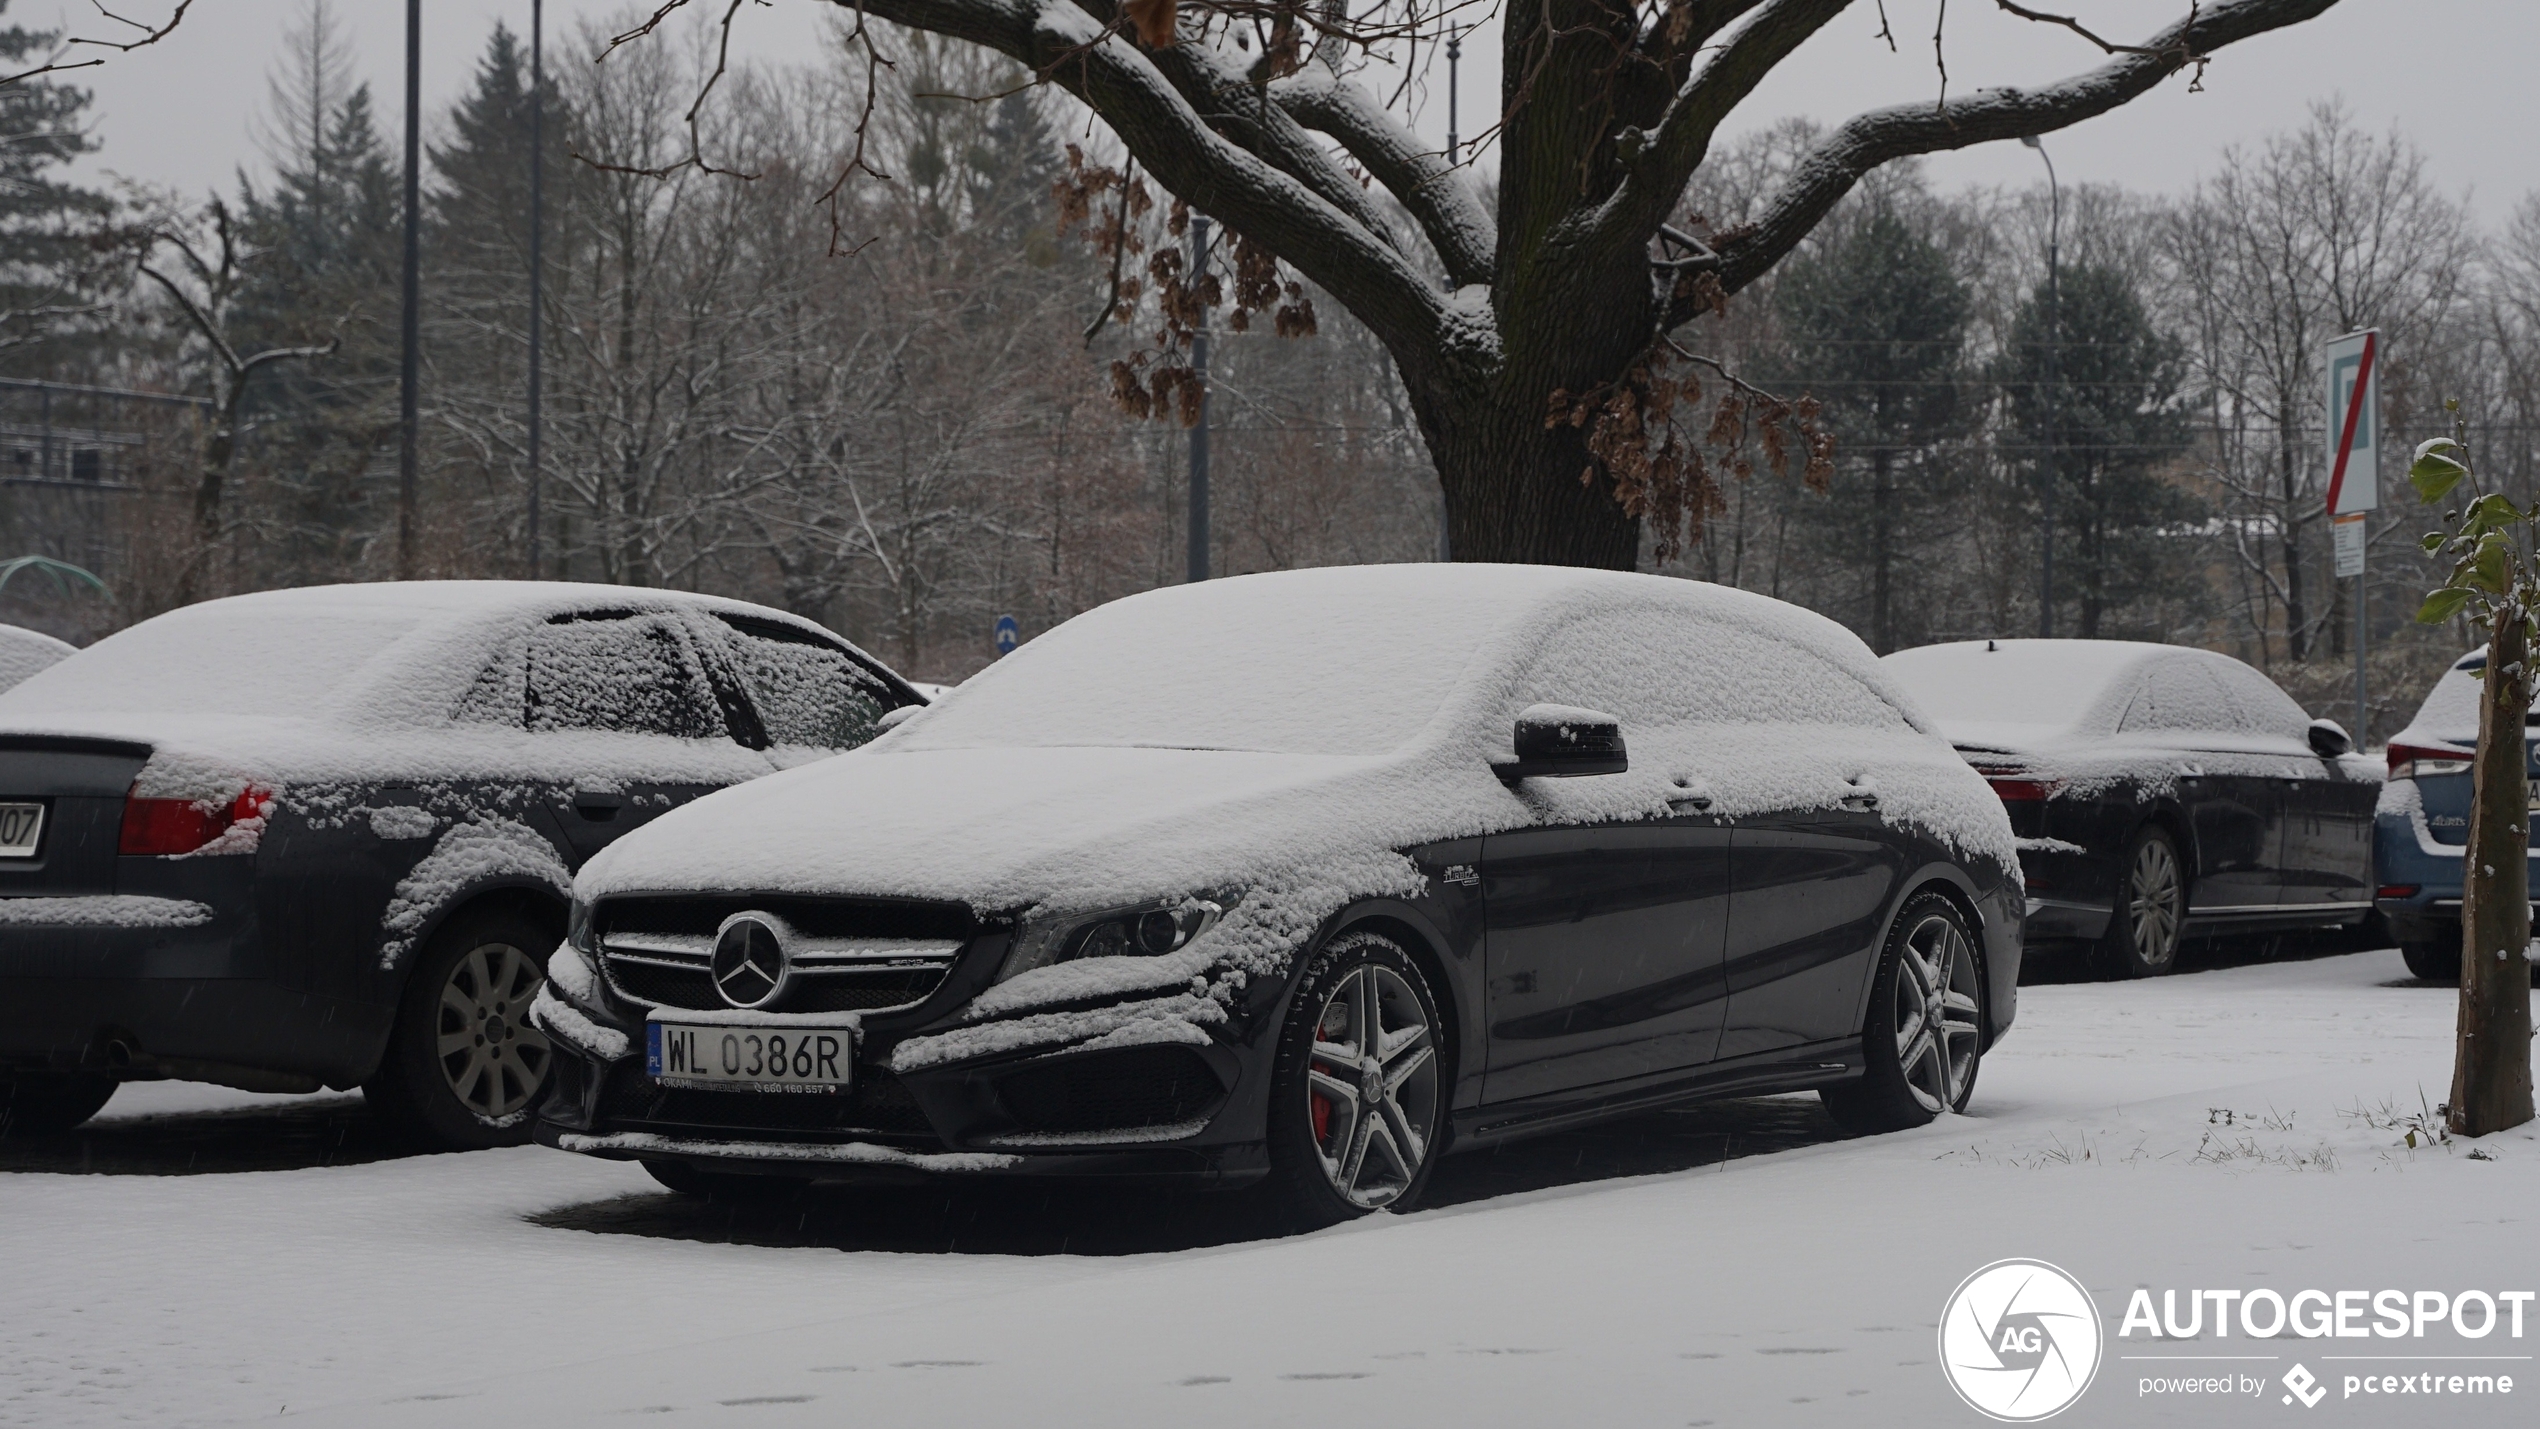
[409,361]
[2363,706]
[537,254]
[1196,560]
[2054,396]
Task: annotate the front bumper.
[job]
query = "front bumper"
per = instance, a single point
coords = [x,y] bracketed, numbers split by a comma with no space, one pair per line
[1179,1109]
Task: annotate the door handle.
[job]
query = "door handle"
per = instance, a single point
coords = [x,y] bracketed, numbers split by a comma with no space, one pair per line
[598,805]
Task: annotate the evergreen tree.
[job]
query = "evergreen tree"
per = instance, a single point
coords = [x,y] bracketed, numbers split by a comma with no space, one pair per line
[1876,321]
[46,258]
[323,236]
[2101,433]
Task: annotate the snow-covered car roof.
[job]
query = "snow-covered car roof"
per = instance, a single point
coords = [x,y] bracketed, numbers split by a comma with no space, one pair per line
[2021,694]
[1301,726]
[23,652]
[2449,714]
[357,679]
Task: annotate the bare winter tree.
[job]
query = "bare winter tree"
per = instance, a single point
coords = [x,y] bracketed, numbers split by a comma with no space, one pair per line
[1563,300]
[2325,230]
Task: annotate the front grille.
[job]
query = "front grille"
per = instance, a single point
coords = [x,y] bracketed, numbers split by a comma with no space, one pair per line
[656,951]
[663,987]
[876,1103]
[1138,1086]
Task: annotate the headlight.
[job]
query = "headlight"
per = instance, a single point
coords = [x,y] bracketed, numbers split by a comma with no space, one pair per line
[1147,930]
[577,927]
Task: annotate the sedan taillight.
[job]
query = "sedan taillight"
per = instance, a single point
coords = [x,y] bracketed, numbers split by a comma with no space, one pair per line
[172,826]
[2408,761]
[2021,789]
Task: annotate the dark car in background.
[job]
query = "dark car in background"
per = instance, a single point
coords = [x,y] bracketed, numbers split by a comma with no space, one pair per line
[326,837]
[2158,792]
[1434,857]
[2421,829]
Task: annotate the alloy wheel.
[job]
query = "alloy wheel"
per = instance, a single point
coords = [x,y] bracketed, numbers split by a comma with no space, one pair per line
[1937,1034]
[493,1058]
[1372,1086]
[2152,897]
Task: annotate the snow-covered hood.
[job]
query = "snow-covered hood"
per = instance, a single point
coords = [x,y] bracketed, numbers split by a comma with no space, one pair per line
[1006,829]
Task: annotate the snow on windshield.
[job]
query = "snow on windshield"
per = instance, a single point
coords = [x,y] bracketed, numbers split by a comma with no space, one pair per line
[215,659]
[1342,669]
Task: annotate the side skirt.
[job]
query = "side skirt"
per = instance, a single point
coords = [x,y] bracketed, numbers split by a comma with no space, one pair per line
[1786,1069]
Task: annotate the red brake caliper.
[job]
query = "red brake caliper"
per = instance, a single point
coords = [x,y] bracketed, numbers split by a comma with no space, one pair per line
[1319,1105]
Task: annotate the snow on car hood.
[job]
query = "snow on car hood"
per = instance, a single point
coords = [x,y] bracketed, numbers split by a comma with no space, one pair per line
[1422,669]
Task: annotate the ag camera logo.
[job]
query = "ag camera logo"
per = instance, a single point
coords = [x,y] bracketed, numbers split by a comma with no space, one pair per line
[2019,1340]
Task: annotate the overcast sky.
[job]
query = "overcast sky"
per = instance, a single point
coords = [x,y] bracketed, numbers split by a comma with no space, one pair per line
[2448,72]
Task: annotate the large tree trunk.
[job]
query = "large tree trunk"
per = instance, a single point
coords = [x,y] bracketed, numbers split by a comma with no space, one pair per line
[2491,1068]
[1512,485]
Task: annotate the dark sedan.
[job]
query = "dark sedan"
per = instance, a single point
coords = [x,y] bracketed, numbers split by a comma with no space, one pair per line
[326,837]
[2159,792]
[1314,876]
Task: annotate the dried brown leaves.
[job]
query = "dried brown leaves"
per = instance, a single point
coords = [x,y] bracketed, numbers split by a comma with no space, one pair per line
[1157,381]
[1638,433]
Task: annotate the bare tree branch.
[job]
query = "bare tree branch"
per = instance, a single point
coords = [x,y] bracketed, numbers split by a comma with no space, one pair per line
[149,36]
[1440,196]
[1869,140]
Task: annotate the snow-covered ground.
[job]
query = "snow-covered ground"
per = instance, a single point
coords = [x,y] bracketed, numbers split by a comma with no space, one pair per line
[2234,1128]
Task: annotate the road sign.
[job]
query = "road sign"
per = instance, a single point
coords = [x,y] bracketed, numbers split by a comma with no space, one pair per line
[2349,531]
[2354,423]
[1009,634]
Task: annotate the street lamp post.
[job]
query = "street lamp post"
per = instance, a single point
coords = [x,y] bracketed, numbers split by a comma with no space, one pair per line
[2054,395]
[409,345]
[537,258]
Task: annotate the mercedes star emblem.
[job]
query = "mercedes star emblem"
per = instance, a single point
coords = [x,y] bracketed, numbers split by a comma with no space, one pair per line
[750,959]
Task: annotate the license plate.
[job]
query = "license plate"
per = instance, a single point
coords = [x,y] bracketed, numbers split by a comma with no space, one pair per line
[812,1059]
[21,826]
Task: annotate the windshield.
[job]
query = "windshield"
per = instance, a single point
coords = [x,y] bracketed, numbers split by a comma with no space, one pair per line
[216,660]
[1304,670]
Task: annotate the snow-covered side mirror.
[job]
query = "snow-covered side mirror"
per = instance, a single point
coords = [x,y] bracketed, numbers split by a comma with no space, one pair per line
[1563,741]
[894,718]
[2329,738]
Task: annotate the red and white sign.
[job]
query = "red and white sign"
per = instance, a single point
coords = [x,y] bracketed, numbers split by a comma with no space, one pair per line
[2354,423]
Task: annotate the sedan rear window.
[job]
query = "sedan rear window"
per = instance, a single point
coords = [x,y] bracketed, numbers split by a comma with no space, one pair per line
[631,675]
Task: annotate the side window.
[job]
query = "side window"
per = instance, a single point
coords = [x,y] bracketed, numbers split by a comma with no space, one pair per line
[808,692]
[1663,667]
[2179,695]
[630,674]
[2263,705]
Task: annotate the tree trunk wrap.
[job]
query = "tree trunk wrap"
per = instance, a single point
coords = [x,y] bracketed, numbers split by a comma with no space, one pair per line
[2491,1068]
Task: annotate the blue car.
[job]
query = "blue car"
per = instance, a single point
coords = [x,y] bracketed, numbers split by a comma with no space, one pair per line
[2422,823]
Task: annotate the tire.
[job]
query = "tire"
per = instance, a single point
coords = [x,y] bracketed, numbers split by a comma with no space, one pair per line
[1350,1132]
[726,1187]
[1925,1034]
[2435,961]
[2151,909]
[443,1081]
[50,1103]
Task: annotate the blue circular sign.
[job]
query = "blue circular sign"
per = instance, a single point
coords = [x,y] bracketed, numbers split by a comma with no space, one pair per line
[1009,634]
